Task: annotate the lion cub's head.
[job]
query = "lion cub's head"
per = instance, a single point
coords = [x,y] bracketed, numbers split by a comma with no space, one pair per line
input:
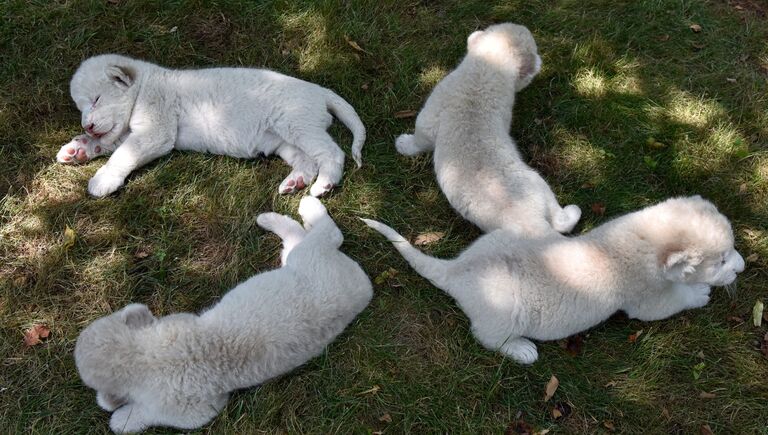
[106,354]
[103,88]
[508,46]
[694,241]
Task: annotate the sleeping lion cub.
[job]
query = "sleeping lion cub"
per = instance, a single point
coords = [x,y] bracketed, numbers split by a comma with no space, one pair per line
[178,370]
[141,111]
[466,121]
[651,264]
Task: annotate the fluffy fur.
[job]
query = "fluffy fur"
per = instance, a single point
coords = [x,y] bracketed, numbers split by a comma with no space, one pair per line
[240,112]
[651,264]
[466,121]
[178,370]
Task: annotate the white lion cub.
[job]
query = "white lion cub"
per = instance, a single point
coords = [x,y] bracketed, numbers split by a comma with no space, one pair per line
[241,112]
[466,121]
[178,370]
[651,264]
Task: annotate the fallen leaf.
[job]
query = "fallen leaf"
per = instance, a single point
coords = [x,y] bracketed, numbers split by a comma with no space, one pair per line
[385,276]
[700,355]
[552,385]
[405,114]
[730,80]
[633,337]
[355,45]
[587,186]
[705,430]
[743,190]
[373,390]
[142,253]
[752,258]
[610,384]
[173,29]
[705,395]
[598,208]
[427,238]
[757,313]
[573,345]
[34,334]
[698,45]
[696,28]
[386,418]
[665,414]
[735,319]
[364,86]
[663,38]
[69,237]
[561,410]
[609,425]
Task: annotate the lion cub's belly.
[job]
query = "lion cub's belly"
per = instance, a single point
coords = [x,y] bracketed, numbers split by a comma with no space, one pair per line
[214,129]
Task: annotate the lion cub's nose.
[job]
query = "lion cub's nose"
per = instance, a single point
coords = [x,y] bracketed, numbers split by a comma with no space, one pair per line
[89,128]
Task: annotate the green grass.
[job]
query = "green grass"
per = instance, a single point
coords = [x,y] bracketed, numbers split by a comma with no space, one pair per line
[183,230]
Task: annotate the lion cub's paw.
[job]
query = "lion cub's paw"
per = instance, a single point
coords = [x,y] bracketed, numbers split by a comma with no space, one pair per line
[321,187]
[311,210]
[294,182]
[405,145]
[521,350]
[79,150]
[103,183]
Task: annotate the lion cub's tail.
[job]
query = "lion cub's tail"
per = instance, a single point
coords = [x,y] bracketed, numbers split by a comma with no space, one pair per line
[431,268]
[346,113]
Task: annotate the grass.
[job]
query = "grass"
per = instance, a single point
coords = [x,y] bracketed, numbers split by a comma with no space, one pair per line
[183,230]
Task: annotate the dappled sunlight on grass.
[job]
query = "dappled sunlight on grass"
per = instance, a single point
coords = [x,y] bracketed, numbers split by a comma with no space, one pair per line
[430,76]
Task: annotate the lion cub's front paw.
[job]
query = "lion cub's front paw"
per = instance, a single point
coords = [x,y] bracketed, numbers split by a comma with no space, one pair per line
[103,183]
[311,210]
[79,150]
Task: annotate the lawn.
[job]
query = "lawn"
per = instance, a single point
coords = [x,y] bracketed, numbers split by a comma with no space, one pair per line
[182,231]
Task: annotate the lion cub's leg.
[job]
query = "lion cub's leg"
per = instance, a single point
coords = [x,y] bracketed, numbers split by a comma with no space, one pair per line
[81,149]
[521,350]
[677,298]
[286,228]
[304,169]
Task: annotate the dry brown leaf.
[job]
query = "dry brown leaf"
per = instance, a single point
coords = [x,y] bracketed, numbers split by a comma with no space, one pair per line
[735,319]
[561,410]
[665,414]
[386,418]
[706,430]
[364,86]
[742,188]
[427,238]
[700,355]
[609,425]
[663,38]
[698,45]
[752,258]
[633,337]
[405,114]
[552,385]
[696,28]
[705,395]
[69,237]
[598,208]
[142,253]
[610,384]
[35,334]
[355,45]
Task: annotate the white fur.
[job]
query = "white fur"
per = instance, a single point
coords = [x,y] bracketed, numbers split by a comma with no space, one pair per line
[178,370]
[466,121]
[651,264]
[239,112]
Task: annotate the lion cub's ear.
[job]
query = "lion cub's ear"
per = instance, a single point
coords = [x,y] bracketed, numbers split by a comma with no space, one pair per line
[121,76]
[472,38]
[137,316]
[678,264]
